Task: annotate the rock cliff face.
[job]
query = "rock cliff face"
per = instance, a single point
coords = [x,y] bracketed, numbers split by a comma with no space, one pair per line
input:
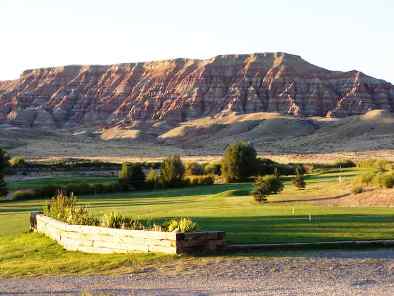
[184,89]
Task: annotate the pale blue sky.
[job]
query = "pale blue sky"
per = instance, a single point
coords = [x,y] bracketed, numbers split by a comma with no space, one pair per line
[338,35]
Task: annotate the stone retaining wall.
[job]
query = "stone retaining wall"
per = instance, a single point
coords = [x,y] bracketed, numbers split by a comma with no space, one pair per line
[94,239]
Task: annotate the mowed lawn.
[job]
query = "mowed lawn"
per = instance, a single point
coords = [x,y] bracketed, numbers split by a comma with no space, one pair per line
[285,218]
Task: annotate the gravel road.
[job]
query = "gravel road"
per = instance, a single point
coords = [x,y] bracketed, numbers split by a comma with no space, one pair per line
[368,272]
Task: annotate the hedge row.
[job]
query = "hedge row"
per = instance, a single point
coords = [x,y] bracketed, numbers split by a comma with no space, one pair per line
[77,189]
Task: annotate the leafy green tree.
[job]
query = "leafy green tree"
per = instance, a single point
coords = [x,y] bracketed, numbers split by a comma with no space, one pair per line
[4,164]
[266,185]
[131,176]
[239,162]
[172,171]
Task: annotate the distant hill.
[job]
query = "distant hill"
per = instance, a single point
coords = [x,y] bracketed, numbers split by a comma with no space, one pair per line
[180,90]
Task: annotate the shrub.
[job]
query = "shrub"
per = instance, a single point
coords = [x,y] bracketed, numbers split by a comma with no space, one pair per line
[194,169]
[212,168]
[63,207]
[117,220]
[265,186]
[299,181]
[357,189]
[131,176]
[239,162]
[200,180]
[180,225]
[172,171]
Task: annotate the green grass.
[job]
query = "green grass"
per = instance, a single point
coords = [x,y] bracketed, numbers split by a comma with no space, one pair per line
[218,207]
[227,207]
[33,254]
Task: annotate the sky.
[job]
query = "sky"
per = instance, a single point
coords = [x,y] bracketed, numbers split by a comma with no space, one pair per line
[337,34]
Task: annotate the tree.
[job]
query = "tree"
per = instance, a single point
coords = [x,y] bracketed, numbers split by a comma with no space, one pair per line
[298,180]
[131,176]
[172,171]
[265,186]
[239,162]
[4,164]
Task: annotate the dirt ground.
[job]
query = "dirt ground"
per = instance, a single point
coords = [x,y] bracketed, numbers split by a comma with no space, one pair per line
[362,272]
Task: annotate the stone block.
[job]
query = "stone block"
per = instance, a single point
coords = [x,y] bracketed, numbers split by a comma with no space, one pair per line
[93,239]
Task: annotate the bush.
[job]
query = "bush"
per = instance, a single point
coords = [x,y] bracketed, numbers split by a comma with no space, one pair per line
[200,180]
[109,187]
[64,208]
[194,169]
[172,171]
[180,225]
[239,162]
[265,186]
[357,189]
[267,166]
[212,168]
[70,189]
[117,220]
[131,176]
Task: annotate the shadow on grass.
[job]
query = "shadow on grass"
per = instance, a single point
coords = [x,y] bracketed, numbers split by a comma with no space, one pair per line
[293,229]
[309,199]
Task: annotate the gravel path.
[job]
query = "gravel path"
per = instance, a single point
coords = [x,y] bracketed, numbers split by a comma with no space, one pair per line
[319,273]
